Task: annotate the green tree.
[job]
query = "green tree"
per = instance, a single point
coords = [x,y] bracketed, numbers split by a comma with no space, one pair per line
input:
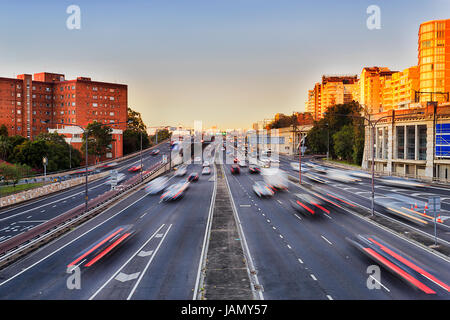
[163,135]
[343,143]
[3,131]
[132,136]
[5,147]
[135,121]
[99,139]
[334,120]
[50,145]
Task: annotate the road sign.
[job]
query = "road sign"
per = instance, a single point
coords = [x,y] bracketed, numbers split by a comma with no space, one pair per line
[434,203]
[113,175]
[164,158]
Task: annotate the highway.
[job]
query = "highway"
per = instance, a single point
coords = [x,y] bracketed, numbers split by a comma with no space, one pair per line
[295,256]
[301,258]
[23,217]
[159,261]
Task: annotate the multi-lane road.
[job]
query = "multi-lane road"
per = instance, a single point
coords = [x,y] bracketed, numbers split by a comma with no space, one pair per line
[295,256]
[23,217]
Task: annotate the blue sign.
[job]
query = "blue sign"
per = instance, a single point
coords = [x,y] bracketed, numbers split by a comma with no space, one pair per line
[443,140]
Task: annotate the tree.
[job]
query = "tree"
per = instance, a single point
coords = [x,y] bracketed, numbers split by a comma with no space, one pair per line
[13,173]
[343,143]
[163,135]
[5,147]
[132,136]
[132,141]
[3,131]
[50,145]
[99,139]
[335,119]
[135,121]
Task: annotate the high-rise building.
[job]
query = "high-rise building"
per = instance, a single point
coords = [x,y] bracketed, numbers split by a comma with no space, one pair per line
[331,91]
[48,102]
[369,88]
[434,60]
[399,91]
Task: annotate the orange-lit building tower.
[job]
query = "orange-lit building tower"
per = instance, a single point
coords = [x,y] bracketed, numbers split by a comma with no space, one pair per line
[369,89]
[399,91]
[434,59]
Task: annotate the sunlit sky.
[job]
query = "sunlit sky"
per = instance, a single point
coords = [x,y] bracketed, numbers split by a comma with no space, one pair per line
[227,63]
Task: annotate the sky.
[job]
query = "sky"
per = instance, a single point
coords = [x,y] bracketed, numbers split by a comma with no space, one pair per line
[227,63]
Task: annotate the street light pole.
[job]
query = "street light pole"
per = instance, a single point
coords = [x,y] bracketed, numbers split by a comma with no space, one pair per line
[141,156]
[86,175]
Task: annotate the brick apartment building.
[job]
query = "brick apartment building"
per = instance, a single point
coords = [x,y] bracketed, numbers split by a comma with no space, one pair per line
[47,102]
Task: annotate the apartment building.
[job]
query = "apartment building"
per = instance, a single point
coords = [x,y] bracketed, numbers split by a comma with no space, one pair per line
[46,101]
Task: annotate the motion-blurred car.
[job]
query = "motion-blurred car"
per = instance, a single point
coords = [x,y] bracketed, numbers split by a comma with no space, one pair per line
[235,169]
[108,166]
[308,205]
[206,164]
[242,163]
[193,177]
[174,191]
[157,185]
[400,182]
[399,263]
[154,152]
[275,177]
[206,170]
[262,189]
[103,247]
[135,168]
[181,171]
[120,177]
[254,169]
[197,159]
[341,176]
[236,160]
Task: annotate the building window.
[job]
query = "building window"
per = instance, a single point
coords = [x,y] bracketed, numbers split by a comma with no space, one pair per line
[411,142]
[422,142]
[400,142]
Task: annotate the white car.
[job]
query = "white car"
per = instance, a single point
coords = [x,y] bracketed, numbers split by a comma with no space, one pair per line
[156,185]
[181,171]
[262,189]
[242,163]
[120,177]
[206,164]
[197,159]
[206,170]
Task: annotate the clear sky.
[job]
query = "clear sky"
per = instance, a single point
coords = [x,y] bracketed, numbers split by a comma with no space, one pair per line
[226,62]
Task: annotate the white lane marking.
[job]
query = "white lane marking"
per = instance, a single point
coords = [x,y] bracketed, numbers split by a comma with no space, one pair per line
[289,246]
[145,253]
[279,201]
[122,277]
[148,264]
[297,216]
[300,260]
[326,240]
[312,276]
[329,297]
[380,283]
[126,262]
[326,215]
[49,255]
[281,236]
[245,205]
